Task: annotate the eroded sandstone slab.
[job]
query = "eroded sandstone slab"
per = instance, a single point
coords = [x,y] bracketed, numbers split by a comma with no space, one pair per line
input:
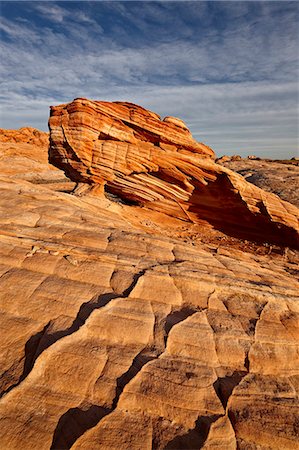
[119,330]
[157,164]
[278,176]
[117,338]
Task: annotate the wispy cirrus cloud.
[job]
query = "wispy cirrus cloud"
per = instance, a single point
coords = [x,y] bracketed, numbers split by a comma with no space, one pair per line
[57,14]
[225,69]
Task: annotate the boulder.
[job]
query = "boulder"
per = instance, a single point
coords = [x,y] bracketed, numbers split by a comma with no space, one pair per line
[157,164]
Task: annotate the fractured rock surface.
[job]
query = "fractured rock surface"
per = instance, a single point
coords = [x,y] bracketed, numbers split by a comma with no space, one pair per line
[118,338]
[157,164]
[116,335]
[279,177]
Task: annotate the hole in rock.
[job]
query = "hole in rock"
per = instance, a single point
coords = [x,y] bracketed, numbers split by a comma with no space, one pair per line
[116,196]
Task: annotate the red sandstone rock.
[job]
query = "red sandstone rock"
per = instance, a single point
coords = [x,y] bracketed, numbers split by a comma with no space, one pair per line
[25,135]
[159,165]
[24,155]
[115,337]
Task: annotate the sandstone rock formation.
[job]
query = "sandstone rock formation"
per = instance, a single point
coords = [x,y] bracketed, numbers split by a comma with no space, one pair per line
[278,176]
[25,135]
[24,153]
[119,330]
[159,165]
[117,338]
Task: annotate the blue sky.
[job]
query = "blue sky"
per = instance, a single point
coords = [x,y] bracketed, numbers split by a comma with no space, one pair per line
[228,69]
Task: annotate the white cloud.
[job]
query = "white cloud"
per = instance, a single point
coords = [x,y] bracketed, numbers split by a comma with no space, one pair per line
[186,78]
[52,12]
[58,14]
[215,114]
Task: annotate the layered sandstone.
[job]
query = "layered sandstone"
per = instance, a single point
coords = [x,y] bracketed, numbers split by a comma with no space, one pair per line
[24,154]
[157,164]
[114,337]
[278,176]
[123,327]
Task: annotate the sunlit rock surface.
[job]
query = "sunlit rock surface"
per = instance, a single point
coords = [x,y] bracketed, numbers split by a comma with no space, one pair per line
[24,154]
[157,164]
[120,329]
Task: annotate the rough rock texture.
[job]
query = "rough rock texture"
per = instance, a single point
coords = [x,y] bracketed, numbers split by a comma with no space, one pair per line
[280,177]
[25,135]
[159,165]
[116,338]
[24,153]
[118,332]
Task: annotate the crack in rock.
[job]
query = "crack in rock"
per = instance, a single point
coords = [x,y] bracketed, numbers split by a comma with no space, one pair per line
[74,423]
[42,340]
[194,438]
[141,359]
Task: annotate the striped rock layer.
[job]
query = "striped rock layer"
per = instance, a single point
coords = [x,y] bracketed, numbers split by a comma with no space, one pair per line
[157,164]
[116,336]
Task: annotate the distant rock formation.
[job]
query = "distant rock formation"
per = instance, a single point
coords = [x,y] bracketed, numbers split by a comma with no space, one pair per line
[280,176]
[24,154]
[157,163]
[25,135]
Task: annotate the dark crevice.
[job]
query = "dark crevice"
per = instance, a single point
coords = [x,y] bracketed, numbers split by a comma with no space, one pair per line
[176,317]
[74,423]
[138,362]
[195,438]
[141,359]
[246,362]
[31,347]
[163,326]
[39,342]
[224,386]
[136,277]
[107,137]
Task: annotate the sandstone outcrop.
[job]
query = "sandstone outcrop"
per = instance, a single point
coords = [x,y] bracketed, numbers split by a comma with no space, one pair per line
[278,176]
[25,135]
[117,338]
[126,328]
[157,164]
[24,154]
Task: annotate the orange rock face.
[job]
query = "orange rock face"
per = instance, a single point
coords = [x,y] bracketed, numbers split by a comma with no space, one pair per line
[157,164]
[119,330]
[24,154]
[25,135]
[112,337]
